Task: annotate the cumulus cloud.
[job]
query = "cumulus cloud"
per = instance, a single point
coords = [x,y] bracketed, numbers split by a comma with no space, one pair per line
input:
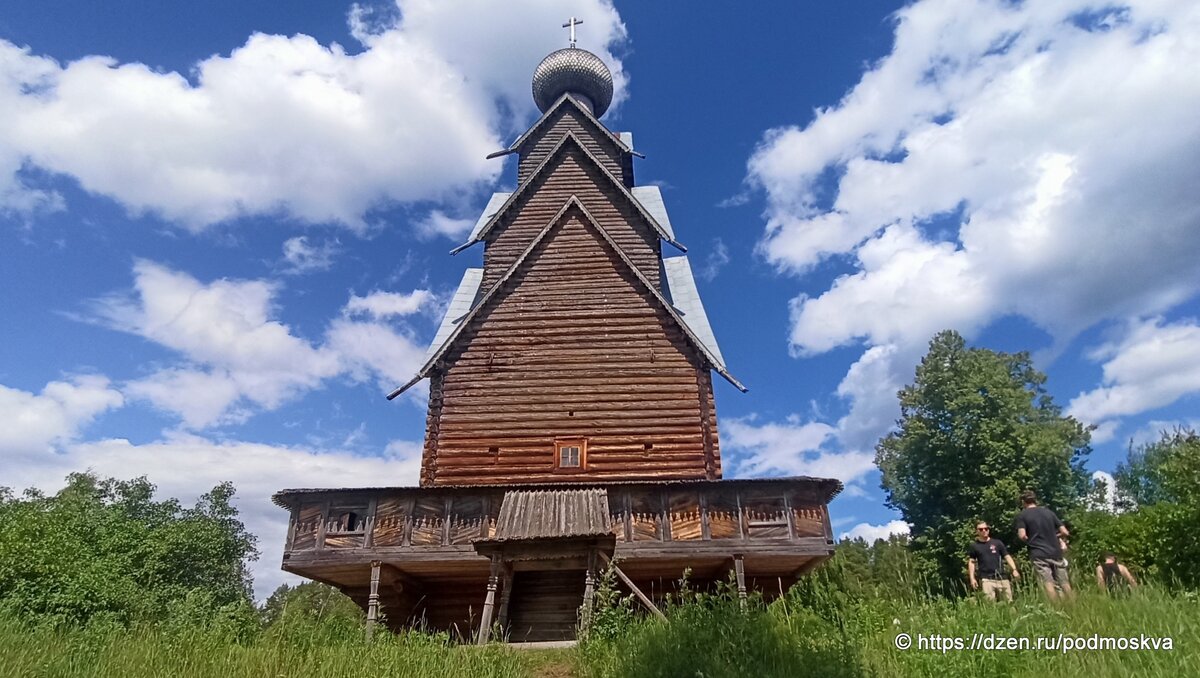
[237,358]
[33,422]
[187,466]
[869,533]
[1029,159]
[437,223]
[381,305]
[793,447]
[301,256]
[289,126]
[1153,365]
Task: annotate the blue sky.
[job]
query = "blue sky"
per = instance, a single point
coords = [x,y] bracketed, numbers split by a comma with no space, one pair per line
[224,227]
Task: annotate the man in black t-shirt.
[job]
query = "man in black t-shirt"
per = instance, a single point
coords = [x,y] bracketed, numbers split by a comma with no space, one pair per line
[1041,529]
[986,558]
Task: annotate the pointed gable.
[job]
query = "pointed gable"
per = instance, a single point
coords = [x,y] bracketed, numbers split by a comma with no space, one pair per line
[567,115]
[574,321]
[572,171]
[582,275]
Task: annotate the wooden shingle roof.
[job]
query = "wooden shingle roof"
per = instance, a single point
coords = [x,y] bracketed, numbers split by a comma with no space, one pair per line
[547,514]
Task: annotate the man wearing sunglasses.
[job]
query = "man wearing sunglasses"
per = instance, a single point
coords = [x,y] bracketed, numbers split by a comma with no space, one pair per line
[986,558]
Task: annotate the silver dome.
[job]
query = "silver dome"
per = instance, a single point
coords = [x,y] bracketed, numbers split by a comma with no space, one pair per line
[577,71]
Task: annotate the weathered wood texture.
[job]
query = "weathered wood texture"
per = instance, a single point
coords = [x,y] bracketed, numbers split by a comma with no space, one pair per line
[672,513]
[574,346]
[568,119]
[571,172]
[545,605]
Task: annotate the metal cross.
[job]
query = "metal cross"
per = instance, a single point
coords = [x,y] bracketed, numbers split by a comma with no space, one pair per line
[572,24]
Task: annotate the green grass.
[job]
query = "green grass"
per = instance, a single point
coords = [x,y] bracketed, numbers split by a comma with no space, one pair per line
[710,637]
[53,653]
[714,639]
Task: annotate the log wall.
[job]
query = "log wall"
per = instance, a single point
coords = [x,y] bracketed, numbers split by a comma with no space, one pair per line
[574,346]
[568,119]
[572,173]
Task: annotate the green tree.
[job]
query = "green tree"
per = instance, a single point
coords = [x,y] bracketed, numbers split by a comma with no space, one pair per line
[976,427]
[1158,507]
[105,549]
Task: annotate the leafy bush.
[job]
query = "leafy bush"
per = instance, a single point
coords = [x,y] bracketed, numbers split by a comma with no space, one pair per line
[105,552]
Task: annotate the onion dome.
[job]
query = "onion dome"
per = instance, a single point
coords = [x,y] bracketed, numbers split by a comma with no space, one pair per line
[575,71]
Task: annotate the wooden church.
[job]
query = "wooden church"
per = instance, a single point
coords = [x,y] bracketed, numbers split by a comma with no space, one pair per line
[571,423]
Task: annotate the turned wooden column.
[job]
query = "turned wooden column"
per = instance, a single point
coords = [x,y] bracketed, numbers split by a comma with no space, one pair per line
[373,599]
[505,596]
[589,592]
[489,603]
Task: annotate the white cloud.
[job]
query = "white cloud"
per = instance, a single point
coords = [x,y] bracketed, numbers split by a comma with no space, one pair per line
[36,422]
[237,358]
[380,305]
[1153,430]
[187,466]
[367,348]
[286,125]
[299,256]
[234,349]
[438,224]
[869,533]
[1030,159]
[789,448]
[718,256]
[1153,365]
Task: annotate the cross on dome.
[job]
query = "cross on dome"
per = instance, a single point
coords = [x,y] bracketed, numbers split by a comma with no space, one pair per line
[572,24]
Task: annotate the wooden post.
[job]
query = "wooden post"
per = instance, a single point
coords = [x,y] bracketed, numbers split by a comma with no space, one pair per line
[632,587]
[323,526]
[489,603]
[293,524]
[589,592]
[369,523]
[373,600]
[739,569]
[505,596]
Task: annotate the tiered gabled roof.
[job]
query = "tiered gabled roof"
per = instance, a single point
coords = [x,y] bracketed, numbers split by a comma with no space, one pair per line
[712,358]
[679,297]
[569,140]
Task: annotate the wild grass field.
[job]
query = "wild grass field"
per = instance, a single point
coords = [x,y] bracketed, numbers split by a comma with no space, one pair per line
[708,635]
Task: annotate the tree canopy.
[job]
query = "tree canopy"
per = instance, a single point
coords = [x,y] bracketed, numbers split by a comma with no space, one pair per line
[105,548]
[1157,502]
[976,428]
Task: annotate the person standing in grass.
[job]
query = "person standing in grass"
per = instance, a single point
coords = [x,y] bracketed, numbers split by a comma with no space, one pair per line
[1045,533]
[986,557]
[1113,576]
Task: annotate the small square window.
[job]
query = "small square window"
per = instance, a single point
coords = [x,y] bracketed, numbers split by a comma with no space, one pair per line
[570,454]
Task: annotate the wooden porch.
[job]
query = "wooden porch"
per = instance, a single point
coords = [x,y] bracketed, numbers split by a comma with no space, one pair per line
[435,556]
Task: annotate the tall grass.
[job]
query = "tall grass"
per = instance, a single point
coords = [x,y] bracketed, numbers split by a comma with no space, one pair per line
[714,637]
[708,635]
[98,652]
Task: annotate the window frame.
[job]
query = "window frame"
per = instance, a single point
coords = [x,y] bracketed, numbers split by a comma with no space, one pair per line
[559,444]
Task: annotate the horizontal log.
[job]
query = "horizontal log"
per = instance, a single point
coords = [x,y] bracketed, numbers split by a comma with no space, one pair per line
[518,438]
[581,428]
[518,405]
[571,418]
